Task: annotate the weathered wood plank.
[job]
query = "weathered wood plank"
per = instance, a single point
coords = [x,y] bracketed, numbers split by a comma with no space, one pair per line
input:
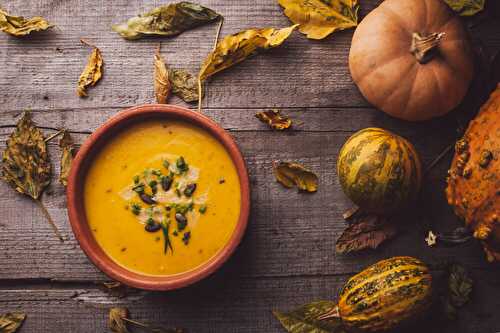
[301,73]
[220,304]
[286,227]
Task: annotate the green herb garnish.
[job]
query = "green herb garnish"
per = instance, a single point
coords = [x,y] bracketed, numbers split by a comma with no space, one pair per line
[136,179]
[178,192]
[181,164]
[136,208]
[156,172]
[203,209]
[166,164]
[139,188]
[150,221]
[165,226]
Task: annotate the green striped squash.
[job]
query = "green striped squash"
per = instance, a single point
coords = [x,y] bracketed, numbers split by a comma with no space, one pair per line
[385,294]
[379,170]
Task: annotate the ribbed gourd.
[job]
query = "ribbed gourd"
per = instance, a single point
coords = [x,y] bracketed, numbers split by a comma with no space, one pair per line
[385,295]
[474,177]
[379,171]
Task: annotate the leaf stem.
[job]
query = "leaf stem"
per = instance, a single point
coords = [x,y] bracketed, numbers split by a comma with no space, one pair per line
[59,132]
[217,34]
[49,218]
[199,94]
[84,42]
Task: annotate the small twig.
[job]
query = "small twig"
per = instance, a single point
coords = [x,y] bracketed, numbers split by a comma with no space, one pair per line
[59,132]
[438,159]
[49,218]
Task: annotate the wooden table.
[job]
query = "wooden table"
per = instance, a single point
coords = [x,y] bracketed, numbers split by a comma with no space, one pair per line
[288,254]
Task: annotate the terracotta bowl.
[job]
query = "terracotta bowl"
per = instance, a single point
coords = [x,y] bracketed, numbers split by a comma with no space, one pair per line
[76,209]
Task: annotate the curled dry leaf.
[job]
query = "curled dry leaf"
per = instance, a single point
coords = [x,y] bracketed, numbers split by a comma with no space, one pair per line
[274,119]
[319,18]
[68,148]
[459,290]
[19,26]
[466,7]
[92,72]
[10,322]
[307,318]
[291,174]
[235,48]
[25,163]
[116,320]
[162,84]
[184,85]
[366,232]
[169,20]
[431,239]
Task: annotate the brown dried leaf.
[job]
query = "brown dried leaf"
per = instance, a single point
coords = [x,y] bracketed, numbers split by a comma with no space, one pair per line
[291,174]
[184,85]
[168,20]
[19,26]
[25,163]
[162,84]
[367,233]
[68,148]
[10,322]
[235,48]
[274,119]
[116,321]
[92,72]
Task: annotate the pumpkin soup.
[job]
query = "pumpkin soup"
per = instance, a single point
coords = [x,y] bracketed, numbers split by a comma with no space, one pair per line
[162,197]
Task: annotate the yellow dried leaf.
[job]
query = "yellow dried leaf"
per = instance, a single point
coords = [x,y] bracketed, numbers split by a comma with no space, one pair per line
[235,48]
[320,18]
[116,320]
[19,26]
[291,174]
[92,72]
[274,119]
[10,322]
[68,153]
[162,84]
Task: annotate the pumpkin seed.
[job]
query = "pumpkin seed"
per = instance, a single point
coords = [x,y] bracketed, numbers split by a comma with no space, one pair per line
[189,190]
[147,198]
[166,183]
[181,221]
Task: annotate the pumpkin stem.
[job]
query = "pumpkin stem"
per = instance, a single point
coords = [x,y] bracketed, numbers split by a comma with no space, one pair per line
[424,47]
[333,313]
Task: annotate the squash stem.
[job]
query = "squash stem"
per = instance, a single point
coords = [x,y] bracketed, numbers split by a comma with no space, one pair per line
[423,47]
[333,313]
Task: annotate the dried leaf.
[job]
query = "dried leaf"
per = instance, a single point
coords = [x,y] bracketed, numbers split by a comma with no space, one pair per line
[116,321]
[368,232]
[162,84]
[68,153]
[25,164]
[19,26]
[466,7]
[307,318]
[235,48]
[169,20]
[460,285]
[274,119]
[184,85]
[291,174]
[320,18]
[92,72]
[10,322]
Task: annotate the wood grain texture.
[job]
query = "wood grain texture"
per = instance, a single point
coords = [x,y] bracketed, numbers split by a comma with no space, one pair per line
[287,256]
[219,304]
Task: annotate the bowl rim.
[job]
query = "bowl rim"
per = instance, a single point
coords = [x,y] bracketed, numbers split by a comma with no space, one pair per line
[75,189]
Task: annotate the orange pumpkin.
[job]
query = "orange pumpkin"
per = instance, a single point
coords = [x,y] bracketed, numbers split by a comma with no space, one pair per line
[412,58]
